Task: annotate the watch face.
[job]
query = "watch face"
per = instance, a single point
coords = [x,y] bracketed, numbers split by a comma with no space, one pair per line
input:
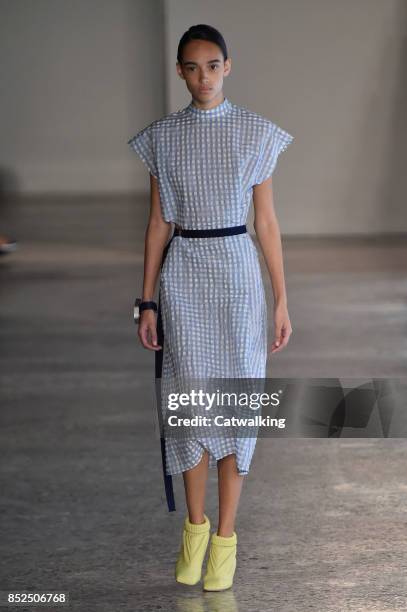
[136,310]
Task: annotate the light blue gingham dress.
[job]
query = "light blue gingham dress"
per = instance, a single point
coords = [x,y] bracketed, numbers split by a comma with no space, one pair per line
[212,295]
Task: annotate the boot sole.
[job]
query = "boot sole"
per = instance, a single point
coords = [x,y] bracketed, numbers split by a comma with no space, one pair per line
[222,589]
[186,582]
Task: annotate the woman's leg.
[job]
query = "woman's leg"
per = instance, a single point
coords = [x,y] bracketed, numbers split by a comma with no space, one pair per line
[195,481]
[229,487]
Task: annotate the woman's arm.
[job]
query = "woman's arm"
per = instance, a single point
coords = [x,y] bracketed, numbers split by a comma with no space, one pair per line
[268,233]
[156,237]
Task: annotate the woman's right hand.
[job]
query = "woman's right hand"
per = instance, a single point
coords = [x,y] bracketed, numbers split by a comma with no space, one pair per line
[147,330]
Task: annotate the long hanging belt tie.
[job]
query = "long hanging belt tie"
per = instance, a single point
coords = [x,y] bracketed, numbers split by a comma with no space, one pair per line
[169,491]
[204,233]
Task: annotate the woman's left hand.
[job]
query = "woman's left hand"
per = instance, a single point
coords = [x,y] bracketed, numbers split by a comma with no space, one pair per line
[282,328]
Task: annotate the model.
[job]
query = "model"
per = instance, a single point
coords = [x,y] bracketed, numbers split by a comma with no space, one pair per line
[206,162]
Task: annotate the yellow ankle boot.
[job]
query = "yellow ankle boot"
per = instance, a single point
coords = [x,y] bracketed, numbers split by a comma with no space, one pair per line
[195,540]
[221,563]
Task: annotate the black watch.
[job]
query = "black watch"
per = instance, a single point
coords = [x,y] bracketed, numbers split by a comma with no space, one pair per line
[139,306]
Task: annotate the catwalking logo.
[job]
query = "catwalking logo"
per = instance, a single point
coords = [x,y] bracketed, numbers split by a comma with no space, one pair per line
[222,421]
[200,400]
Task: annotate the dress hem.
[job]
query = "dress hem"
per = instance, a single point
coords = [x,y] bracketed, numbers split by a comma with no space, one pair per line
[241,472]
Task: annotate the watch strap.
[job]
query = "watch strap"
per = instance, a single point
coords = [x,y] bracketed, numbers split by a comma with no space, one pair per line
[147,305]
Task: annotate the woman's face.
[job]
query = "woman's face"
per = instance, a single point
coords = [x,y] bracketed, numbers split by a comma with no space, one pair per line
[203,69]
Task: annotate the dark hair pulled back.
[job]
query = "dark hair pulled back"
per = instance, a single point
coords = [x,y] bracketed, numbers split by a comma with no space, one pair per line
[202,31]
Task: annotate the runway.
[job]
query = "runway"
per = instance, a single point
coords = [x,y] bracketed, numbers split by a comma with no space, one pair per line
[321,523]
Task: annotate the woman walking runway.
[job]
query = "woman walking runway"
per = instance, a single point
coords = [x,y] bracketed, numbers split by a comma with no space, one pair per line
[205,160]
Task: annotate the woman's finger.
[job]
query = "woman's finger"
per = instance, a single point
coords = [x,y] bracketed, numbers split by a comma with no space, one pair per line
[281,340]
[147,331]
[153,335]
[278,334]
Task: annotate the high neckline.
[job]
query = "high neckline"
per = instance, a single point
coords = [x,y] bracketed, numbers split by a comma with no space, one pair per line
[207,113]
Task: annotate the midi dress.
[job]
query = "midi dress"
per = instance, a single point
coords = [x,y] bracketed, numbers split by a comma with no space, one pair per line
[213,302]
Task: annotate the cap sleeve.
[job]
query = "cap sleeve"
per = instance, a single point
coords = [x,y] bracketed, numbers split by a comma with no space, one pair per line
[275,141]
[143,144]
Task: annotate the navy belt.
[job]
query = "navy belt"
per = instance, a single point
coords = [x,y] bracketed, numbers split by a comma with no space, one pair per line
[208,233]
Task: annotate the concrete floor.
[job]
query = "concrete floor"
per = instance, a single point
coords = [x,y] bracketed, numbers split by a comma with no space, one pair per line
[322,524]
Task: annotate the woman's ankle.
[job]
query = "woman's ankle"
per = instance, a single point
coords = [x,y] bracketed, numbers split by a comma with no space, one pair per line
[196,519]
[225,532]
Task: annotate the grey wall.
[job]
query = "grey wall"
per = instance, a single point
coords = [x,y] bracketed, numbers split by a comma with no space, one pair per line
[334,75]
[82,76]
